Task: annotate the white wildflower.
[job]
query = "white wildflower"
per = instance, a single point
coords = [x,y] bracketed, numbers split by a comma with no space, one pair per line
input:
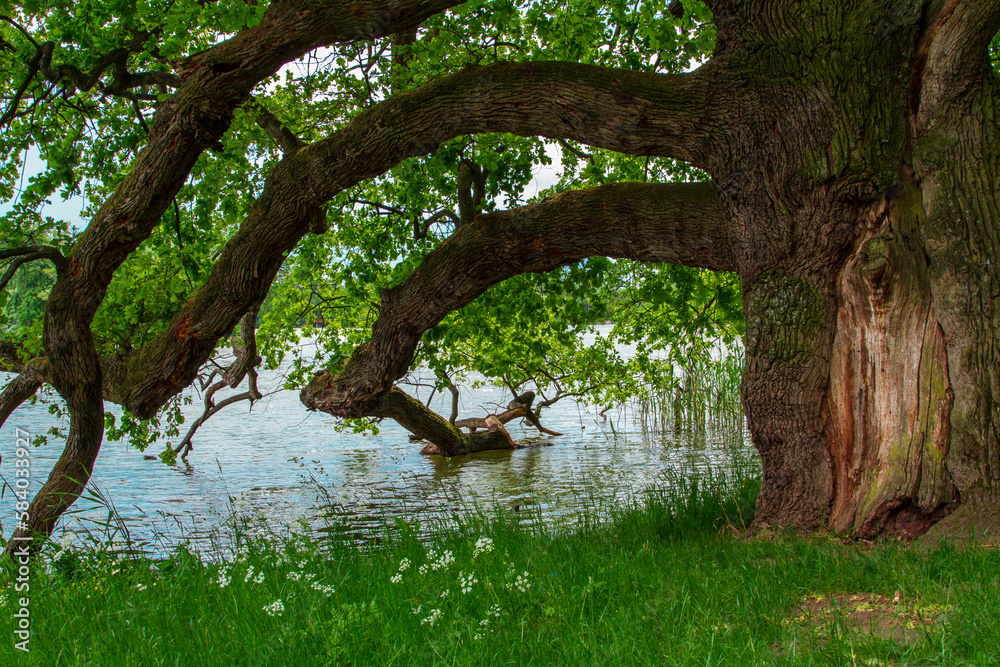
[259,579]
[521,583]
[322,588]
[432,618]
[466,581]
[484,545]
[440,561]
[404,565]
[423,569]
[223,578]
[249,574]
[276,608]
[396,578]
[140,587]
[293,576]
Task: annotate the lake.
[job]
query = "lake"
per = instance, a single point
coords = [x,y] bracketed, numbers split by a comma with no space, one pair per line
[279,464]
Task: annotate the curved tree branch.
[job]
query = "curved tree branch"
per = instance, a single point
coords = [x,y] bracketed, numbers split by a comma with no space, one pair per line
[619,110]
[22,387]
[213,84]
[25,255]
[675,223]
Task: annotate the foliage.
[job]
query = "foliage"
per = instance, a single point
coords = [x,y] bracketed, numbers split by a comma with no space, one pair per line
[526,333]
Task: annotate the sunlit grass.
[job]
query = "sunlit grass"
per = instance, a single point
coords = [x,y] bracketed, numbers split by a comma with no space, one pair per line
[667,581]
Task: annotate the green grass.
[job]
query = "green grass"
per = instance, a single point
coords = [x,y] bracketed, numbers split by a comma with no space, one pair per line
[665,582]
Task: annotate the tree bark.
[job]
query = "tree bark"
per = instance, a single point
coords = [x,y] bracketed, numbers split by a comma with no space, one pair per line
[424,423]
[214,83]
[866,239]
[649,222]
[855,162]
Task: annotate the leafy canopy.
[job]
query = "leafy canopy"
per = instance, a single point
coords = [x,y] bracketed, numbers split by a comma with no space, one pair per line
[526,332]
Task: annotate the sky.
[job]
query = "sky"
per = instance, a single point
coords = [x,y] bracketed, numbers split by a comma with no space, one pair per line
[68,210]
[545,176]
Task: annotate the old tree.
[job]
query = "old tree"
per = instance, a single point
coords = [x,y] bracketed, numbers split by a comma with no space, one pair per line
[841,157]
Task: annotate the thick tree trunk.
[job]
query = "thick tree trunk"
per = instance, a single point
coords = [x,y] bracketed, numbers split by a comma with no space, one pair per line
[959,163]
[866,228]
[855,158]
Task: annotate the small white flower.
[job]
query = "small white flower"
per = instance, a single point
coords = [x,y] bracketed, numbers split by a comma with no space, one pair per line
[322,588]
[521,583]
[423,569]
[293,576]
[223,578]
[249,574]
[432,618]
[466,581]
[276,608]
[396,578]
[484,545]
[259,579]
[404,565]
[140,587]
[443,561]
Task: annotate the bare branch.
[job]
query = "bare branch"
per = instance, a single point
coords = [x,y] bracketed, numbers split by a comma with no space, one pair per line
[412,415]
[25,255]
[284,137]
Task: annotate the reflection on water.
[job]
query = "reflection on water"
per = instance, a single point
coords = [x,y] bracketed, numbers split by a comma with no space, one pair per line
[284,464]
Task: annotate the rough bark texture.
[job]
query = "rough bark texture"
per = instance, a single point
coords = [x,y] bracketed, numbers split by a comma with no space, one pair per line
[215,82]
[871,350]
[677,223]
[855,162]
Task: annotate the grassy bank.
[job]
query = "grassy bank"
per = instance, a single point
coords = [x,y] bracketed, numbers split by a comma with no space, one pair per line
[666,582]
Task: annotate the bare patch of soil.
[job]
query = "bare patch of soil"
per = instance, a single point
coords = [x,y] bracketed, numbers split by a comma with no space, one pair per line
[895,619]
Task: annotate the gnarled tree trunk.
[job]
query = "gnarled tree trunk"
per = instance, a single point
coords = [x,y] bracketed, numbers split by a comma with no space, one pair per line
[854,155]
[863,195]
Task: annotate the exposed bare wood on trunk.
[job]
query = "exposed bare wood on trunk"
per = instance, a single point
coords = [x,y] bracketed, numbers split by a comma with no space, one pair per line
[890,393]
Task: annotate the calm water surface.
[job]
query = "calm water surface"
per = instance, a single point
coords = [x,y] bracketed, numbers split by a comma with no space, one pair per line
[279,464]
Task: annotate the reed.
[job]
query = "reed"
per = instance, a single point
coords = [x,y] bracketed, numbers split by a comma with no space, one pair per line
[694,393]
